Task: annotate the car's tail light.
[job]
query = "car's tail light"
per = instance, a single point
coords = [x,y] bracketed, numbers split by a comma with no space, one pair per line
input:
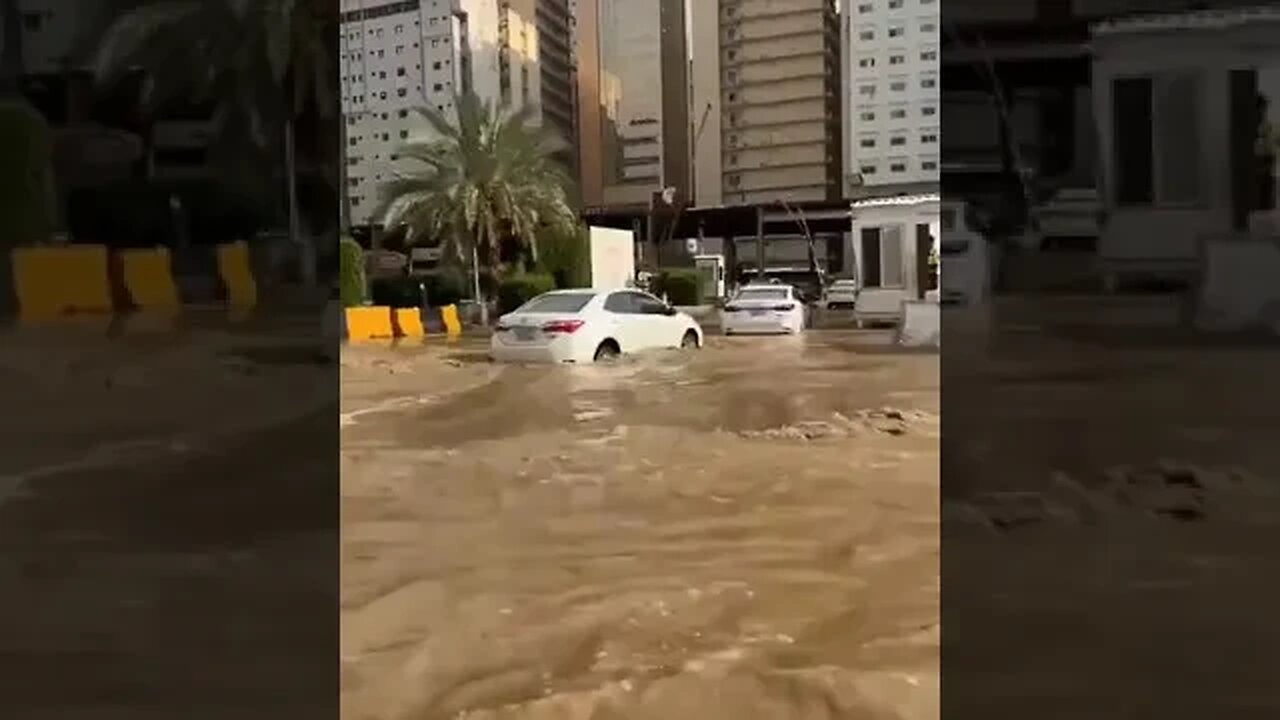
[783,308]
[568,327]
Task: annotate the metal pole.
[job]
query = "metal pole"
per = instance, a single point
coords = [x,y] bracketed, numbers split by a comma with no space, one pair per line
[759,243]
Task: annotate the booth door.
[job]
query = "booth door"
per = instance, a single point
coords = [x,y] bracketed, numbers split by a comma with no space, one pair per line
[924,248]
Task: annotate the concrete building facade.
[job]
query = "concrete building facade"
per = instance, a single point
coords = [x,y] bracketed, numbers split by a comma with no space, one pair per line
[766,101]
[396,56]
[633,100]
[892,130]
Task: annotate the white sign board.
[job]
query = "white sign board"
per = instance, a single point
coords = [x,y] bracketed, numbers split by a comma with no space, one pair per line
[613,259]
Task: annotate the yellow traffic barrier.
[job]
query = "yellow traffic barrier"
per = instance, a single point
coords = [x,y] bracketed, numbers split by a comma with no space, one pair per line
[408,322]
[148,276]
[449,316]
[54,281]
[369,323]
[236,271]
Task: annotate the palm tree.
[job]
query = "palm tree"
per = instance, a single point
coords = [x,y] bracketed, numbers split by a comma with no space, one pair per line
[259,62]
[473,184]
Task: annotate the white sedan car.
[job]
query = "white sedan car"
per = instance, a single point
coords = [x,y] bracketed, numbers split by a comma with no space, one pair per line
[841,295]
[763,309]
[579,326]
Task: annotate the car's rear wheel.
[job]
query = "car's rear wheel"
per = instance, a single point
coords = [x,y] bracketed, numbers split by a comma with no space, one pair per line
[689,341]
[608,350]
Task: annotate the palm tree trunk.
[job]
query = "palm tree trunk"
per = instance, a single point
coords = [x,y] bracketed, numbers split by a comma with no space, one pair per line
[306,261]
[475,280]
[11,58]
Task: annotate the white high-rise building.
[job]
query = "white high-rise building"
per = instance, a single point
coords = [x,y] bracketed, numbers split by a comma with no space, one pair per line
[892,122]
[396,56]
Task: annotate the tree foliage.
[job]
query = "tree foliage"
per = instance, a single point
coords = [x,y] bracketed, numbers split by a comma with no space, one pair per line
[258,62]
[475,182]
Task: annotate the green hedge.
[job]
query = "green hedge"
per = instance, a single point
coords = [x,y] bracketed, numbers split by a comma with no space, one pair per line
[351,276]
[566,256]
[516,291]
[400,291]
[446,286]
[682,286]
[27,201]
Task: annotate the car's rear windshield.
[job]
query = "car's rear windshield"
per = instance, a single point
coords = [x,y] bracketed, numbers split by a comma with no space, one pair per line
[557,303]
[763,294]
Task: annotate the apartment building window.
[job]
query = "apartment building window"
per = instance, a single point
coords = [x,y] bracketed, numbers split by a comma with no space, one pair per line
[929,138]
[400,72]
[928,111]
[897,59]
[895,4]
[867,62]
[897,167]
[928,54]
[437,87]
[382,95]
[929,165]
[399,49]
[402,113]
[867,169]
[928,27]
[399,29]
[898,85]
[868,34]
[435,65]
[866,8]
[733,97]
[928,82]
[896,31]
[867,116]
[897,113]
[897,140]
[732,55]
[735,180]
[401,92]
[404,134]
[867,142]
[867,90]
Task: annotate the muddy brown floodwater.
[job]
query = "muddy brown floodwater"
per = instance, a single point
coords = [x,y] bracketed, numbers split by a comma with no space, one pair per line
[748,531]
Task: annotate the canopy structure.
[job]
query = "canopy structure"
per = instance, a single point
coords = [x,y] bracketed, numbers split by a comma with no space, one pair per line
[726,221]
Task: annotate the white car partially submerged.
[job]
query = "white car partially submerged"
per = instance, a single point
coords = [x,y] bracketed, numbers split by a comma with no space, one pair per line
[581,326]
[772,308]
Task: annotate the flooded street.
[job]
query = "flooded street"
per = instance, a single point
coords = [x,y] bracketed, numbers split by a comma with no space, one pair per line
[748,531]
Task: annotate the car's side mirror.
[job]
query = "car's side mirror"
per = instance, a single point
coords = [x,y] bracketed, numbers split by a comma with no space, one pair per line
[669,310]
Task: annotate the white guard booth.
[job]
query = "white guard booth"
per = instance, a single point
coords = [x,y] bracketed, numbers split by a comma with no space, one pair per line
[892,238]
[1176,98]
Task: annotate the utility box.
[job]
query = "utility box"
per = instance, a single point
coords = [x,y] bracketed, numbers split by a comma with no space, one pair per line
[613,258]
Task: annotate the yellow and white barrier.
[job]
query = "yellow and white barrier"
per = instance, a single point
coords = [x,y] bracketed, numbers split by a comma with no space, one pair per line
[148,276]
[55,281]
[236,271]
